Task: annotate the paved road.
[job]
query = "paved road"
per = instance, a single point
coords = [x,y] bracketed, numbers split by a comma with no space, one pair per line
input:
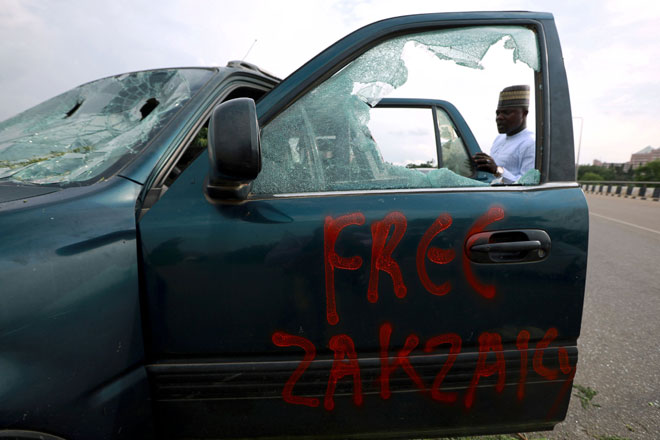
[620,341]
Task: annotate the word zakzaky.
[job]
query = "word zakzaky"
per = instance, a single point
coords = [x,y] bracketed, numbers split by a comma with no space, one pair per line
[345,363]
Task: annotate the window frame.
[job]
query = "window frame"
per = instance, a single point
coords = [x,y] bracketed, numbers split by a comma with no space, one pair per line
[456,118]
[554,141]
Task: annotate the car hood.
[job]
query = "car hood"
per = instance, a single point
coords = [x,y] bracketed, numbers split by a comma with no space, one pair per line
[11,192]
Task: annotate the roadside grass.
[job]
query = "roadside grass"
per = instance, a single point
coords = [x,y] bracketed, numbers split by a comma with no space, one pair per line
[522,437]
[586,395]
[498,437]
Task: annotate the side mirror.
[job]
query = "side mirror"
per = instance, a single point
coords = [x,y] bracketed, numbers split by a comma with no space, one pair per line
[234,150]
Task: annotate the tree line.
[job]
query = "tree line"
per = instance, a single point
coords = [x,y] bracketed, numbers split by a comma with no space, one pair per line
[646,173]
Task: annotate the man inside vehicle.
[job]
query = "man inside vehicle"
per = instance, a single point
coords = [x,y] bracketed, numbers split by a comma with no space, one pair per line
[513,150]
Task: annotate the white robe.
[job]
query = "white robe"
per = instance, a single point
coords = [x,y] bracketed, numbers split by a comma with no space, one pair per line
[515,154]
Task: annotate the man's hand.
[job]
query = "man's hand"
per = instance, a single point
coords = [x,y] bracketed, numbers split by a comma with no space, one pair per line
[485,163]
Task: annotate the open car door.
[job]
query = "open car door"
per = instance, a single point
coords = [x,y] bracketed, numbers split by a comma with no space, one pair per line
[359,290]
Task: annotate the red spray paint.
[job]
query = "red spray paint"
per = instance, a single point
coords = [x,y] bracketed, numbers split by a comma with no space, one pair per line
[454,342]
[381,254]
[537,361]
[436,255]
[494,214]
[388,366]
[345,364]
[522,343]
[487,342]
[333,261]
[282,339]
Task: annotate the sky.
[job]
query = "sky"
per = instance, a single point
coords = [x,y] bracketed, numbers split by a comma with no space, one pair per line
[611,49]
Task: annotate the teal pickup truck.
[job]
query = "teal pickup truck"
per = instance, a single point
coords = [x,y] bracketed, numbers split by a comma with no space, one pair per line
[218,253]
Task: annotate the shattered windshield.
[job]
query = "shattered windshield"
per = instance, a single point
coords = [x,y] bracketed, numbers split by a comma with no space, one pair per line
[326,141]
[82,134]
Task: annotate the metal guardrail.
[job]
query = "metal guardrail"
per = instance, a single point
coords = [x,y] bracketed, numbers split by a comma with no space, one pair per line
[634,189]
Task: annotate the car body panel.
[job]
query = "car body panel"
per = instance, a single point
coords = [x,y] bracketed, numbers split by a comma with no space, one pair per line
[71,312]
[210,273]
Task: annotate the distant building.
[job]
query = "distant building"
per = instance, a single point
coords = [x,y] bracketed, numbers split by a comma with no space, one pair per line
[625,166]
[644,156]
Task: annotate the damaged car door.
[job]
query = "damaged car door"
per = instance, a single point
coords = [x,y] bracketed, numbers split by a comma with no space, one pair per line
[350,293]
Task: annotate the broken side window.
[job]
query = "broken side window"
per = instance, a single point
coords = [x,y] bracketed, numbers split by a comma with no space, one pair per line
[328,135]
[77,136]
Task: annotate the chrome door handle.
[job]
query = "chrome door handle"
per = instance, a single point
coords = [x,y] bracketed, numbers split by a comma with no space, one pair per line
[508,246]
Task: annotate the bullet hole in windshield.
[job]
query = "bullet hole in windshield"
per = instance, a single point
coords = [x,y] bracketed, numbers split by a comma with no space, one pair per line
[73,110]
[148,107]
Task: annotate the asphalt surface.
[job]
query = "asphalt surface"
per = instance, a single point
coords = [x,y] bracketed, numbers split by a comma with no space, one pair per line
[620,342]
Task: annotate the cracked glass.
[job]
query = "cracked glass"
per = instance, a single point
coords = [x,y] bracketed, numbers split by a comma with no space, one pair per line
[323,141]
[78,136]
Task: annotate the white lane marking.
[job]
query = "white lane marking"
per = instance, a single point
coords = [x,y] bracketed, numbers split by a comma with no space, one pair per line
[625,223]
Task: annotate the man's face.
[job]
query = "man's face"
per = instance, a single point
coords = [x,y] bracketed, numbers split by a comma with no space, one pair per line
[510,120]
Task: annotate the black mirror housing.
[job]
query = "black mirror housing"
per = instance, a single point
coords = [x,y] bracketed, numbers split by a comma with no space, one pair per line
[234,150]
